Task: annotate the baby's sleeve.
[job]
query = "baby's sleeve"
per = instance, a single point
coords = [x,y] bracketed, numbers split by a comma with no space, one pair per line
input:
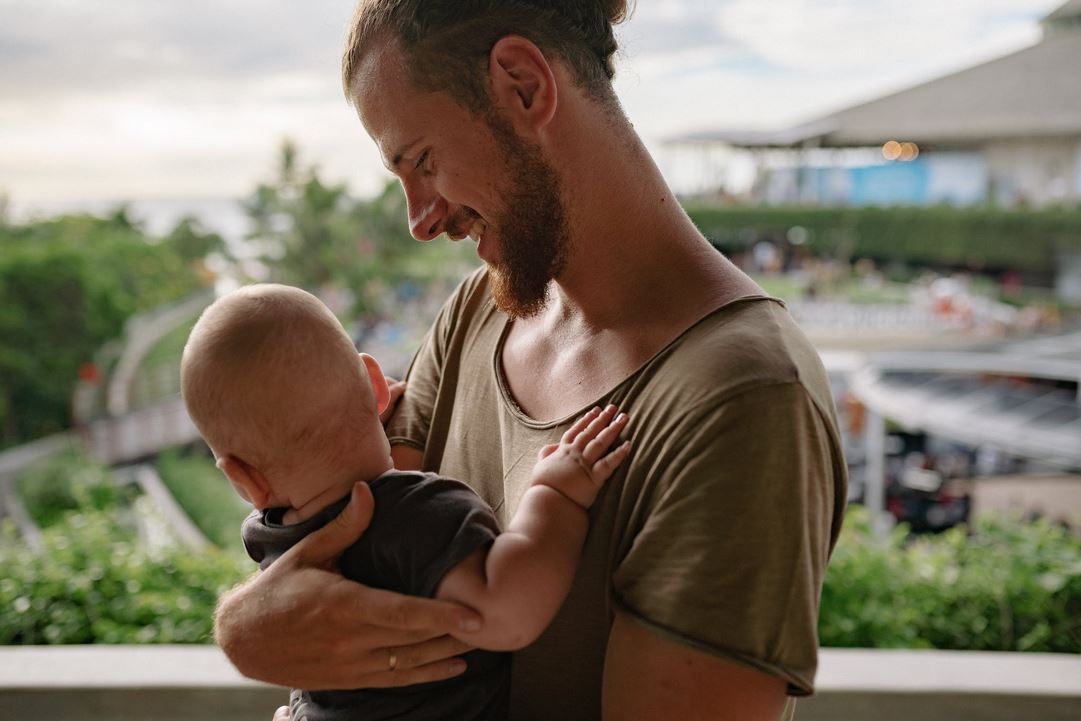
[422,528]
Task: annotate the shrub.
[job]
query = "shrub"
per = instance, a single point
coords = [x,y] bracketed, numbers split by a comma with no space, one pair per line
[66,482]
[992,238]
[93,583]
[1004,585]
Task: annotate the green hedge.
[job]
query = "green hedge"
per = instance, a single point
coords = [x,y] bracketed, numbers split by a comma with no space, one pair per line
[941,235]
[93,583]
[1009,585]
[68,481]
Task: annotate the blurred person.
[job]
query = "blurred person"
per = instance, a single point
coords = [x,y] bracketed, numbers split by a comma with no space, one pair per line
[697,596]
[276,388]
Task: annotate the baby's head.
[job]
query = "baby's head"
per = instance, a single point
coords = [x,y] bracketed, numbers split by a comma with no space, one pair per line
[278,391]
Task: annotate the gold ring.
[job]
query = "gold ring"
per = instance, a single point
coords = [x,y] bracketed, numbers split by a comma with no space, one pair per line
[392,661]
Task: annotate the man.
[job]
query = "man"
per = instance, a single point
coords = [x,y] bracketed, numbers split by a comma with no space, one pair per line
[697,597]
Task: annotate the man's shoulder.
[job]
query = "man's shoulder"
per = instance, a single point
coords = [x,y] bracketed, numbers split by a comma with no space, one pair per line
[749,342]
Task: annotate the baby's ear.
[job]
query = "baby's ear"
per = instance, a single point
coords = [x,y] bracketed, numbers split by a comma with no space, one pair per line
[379,382]
[248,481]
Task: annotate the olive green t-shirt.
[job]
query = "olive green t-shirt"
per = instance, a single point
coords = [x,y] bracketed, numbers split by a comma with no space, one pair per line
[715,532]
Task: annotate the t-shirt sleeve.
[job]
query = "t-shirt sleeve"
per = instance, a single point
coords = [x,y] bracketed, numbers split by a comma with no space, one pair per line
[730,556]
[412,420]
[422,529]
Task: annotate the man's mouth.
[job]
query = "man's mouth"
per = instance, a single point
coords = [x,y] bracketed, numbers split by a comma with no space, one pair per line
[477,230]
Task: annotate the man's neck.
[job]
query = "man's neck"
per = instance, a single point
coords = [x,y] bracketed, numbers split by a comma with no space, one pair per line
[635,255]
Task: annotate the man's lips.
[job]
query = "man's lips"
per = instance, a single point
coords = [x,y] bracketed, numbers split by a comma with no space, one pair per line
[475,231]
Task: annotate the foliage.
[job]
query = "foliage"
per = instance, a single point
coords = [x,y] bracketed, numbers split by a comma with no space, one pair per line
[316,236]
[205,495]
[978,237]
[93,583]
[1007,585]
[66,286]
[66,482]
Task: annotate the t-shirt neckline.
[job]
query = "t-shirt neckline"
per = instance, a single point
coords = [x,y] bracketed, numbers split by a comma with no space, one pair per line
[511,405]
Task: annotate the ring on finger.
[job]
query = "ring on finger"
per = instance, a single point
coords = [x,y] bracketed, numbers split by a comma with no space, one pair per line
[392,659]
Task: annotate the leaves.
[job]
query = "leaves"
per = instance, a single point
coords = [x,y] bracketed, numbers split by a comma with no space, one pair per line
[1005,584]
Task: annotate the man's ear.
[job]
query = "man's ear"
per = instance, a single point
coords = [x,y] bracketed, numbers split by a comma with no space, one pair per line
[523,81]
[248,481]
[379,382]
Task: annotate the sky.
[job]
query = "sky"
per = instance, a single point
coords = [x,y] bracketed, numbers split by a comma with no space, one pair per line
[142,99]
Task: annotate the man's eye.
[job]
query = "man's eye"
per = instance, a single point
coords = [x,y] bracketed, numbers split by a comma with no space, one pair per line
[422,159]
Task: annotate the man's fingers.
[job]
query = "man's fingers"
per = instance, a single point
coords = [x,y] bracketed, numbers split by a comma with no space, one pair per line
[396,388]
[282,714]
[421,654]
[580,424]
[411,613]
[437,671]
[604,467]
[322,546]
[387,665]
[596,447]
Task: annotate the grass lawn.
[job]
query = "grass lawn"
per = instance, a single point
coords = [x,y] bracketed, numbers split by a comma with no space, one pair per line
[205,495]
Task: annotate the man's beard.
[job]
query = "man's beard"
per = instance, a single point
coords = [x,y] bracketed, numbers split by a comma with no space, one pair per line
[532,229]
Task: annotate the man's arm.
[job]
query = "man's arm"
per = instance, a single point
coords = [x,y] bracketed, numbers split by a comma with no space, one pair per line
[407,458]
[649,678]
[301,624]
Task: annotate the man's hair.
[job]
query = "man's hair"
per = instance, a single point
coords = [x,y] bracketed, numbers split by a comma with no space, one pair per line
[267,370]
[448,41]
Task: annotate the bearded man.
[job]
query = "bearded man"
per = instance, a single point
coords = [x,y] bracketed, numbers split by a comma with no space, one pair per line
[697,594]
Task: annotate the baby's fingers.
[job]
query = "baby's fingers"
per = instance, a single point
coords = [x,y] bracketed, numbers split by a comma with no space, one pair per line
[580,424]
[590,432]
[604,467]
[547,451]
[605,438]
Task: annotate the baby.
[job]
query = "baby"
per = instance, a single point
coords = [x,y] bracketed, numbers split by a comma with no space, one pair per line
[291,412]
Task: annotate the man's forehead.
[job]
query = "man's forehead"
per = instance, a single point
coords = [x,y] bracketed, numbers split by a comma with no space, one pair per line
[382,93]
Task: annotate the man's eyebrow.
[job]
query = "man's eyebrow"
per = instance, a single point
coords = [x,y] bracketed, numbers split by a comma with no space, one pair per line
[397,157]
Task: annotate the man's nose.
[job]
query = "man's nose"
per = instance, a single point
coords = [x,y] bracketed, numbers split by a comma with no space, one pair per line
[427,214]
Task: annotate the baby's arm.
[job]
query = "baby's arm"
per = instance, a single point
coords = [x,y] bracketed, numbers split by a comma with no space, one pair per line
[519,583]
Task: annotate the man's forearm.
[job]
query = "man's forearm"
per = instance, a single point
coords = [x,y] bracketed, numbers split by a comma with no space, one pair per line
[229,631]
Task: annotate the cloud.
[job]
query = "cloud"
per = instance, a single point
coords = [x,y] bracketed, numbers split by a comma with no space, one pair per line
[54,47]
[140,98]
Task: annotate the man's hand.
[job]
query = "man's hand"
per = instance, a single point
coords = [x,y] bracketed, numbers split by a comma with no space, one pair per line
[579,464]
[396,388]
[301,624]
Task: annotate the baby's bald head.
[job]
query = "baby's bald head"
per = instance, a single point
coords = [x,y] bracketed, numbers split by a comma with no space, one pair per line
[269,375]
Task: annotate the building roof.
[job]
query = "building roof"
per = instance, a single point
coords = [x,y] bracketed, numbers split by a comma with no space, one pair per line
[1070,10]
[974,397]
[1030,93]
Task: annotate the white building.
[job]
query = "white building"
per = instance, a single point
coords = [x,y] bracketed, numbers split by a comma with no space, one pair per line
[1007,131]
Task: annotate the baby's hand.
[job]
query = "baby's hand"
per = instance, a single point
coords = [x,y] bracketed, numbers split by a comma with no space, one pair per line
[578,466]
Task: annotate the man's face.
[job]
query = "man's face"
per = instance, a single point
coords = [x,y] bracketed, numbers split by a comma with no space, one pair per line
[468,175]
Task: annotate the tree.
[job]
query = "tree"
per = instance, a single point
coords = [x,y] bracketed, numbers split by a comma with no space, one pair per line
[314,235]
[66,286]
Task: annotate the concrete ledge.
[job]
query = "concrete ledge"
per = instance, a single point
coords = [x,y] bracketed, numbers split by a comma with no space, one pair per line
[896,685]
[129,683]
[193,683]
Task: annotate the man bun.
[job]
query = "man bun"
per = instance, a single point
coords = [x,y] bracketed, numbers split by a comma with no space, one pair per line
[448,41]
[615,10]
